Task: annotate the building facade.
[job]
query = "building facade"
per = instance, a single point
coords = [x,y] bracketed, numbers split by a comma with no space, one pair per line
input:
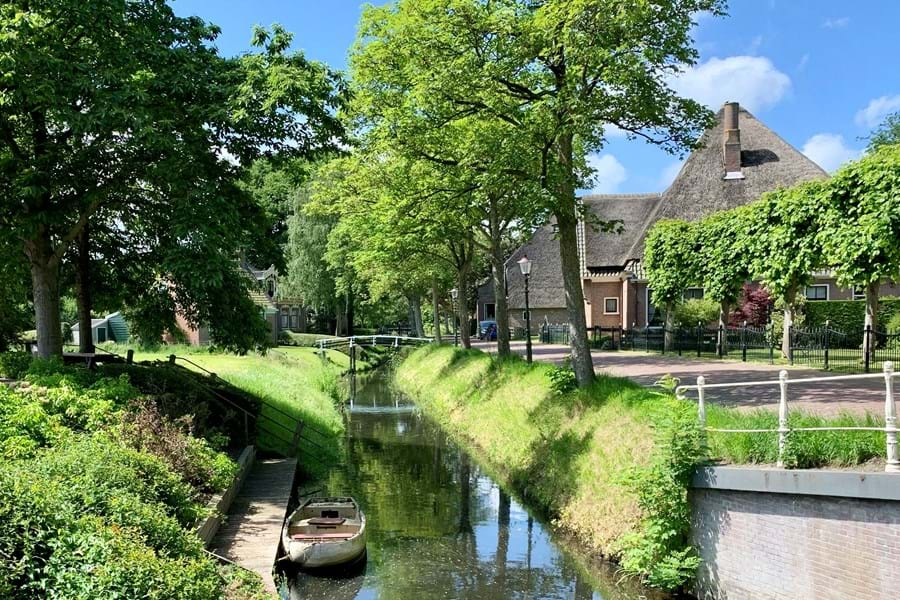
[738,160]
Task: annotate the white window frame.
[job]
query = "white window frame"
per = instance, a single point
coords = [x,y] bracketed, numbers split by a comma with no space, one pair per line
[606,312]
[485,315]
[858,293]
[815,285]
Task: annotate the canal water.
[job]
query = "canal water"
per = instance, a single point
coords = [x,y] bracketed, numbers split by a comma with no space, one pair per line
[438,525]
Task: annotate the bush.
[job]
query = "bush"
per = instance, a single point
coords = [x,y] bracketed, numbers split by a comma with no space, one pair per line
[849,315]
[14,365]
[702,310]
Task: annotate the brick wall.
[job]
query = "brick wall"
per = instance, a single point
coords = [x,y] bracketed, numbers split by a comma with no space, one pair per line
[791,546]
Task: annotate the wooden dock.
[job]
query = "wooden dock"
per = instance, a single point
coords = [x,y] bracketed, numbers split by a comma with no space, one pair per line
[251,535]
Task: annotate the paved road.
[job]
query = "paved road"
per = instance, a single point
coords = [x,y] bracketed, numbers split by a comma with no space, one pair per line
[831,398]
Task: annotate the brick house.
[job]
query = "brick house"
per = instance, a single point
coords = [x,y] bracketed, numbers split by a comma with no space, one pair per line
[739,160]
[281,312]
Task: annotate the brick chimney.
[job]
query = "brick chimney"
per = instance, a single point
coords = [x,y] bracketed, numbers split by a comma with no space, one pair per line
[731,145]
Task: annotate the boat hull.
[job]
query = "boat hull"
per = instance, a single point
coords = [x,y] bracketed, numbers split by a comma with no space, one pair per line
[315,555]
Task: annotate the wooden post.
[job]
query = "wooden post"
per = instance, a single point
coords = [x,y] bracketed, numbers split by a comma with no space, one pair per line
[890,420]
[782,416]
[295,440]
[129,357]
[172,358]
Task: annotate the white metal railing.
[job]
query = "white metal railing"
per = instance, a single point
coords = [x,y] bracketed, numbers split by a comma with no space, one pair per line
[890,409]
[394,341]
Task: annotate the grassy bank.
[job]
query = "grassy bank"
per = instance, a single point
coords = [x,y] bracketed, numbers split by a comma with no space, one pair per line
[289,383]
[609,464]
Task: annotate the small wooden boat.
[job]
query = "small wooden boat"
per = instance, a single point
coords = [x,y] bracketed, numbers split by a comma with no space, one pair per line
[325,532]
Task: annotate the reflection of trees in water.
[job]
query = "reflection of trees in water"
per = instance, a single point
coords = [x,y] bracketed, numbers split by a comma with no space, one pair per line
[424,505]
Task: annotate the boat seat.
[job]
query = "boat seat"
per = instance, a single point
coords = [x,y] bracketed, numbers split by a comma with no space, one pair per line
[307,537]
[333,522]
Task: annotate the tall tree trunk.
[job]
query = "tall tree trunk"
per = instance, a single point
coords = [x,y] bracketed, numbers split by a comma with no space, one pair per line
[415,315]
[340,320]
[303,319]
[350,312]
[790,301]
[83,292]
[721,338]
[567,220]
[871,322]
[669,328]
[498,270]
[436,312]
[45,287]
[462,304]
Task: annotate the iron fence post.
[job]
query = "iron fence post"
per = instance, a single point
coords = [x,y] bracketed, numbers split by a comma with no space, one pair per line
[699,338]
[791,344]
[744,342]
[890,420]
[720,349]
[867,347]
[826,341]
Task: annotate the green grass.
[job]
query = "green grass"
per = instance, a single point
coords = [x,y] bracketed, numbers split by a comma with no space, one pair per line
[566,453]
[291,382]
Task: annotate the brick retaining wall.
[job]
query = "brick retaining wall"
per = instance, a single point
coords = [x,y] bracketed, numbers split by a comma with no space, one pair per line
[783,544]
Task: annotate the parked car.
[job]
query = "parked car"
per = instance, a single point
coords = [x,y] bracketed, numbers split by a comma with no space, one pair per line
[487,330]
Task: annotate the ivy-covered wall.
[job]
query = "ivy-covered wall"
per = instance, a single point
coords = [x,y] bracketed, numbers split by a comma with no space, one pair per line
[848,315]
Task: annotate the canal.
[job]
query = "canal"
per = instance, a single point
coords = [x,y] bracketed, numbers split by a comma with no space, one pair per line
[438,525]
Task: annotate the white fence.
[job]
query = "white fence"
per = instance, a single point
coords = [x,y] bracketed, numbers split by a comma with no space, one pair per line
[394,341]
[783,383]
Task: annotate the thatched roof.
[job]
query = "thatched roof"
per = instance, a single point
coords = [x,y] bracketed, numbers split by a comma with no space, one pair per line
[700,189]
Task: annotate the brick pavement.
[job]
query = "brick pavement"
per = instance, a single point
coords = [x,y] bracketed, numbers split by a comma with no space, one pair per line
[831,398]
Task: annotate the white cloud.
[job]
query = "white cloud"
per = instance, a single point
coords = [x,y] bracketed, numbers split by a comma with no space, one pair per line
[829,151]
[873,114]
[608,174]
[836,23]
[668,175]
[755,44]
[804,60]
[751,80]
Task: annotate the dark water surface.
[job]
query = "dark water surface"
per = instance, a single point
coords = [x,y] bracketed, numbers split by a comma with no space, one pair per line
[438,525]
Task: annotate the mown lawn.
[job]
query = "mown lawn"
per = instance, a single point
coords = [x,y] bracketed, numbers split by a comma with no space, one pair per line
[291,383]
[567,453]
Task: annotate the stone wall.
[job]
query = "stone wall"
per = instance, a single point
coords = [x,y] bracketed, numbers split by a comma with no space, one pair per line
[766,533]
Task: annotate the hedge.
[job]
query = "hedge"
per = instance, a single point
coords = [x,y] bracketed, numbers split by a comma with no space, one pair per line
[849,315]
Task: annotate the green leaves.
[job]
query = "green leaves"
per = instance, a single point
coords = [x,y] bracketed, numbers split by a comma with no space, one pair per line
[670,259]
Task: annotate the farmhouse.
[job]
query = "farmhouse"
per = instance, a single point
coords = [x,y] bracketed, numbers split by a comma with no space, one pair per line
[739,160]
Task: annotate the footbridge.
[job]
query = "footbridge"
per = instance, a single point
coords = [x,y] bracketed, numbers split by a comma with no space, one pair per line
[348,345]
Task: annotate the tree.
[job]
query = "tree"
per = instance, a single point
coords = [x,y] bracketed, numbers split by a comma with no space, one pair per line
[670,261]
[887,133]
[781,233]
[861,225]
[558,72]
[105,104]
[723,270]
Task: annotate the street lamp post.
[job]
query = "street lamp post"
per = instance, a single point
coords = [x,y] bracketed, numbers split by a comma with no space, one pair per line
[525,267]
[454,294]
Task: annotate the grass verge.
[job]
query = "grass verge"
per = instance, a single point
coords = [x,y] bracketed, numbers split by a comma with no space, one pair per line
[610,464]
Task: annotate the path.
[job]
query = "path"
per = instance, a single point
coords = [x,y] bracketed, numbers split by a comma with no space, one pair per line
[251,535]
[646,368]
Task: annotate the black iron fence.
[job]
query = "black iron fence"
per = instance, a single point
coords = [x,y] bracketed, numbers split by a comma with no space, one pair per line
[817,347]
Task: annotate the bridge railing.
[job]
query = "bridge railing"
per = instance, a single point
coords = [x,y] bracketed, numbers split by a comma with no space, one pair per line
[394,341]
[784,429]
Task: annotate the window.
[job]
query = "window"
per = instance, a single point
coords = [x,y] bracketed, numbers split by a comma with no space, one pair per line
[101,334]
[693,293]
[285,323]
[859,293]
[610,306]
[817,292]
[490,311]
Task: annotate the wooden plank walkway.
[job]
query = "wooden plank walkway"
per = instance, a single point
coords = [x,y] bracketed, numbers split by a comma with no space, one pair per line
[252,532]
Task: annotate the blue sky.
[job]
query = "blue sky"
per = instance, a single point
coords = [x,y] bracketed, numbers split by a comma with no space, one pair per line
[821,73]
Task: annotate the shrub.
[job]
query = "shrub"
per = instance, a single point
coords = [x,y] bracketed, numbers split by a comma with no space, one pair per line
[660,552]
[849,315]
[14,365]
[690,312]
[25,426]
[562,380]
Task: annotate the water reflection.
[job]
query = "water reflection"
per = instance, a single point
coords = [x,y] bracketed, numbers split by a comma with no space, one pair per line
[438,526]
